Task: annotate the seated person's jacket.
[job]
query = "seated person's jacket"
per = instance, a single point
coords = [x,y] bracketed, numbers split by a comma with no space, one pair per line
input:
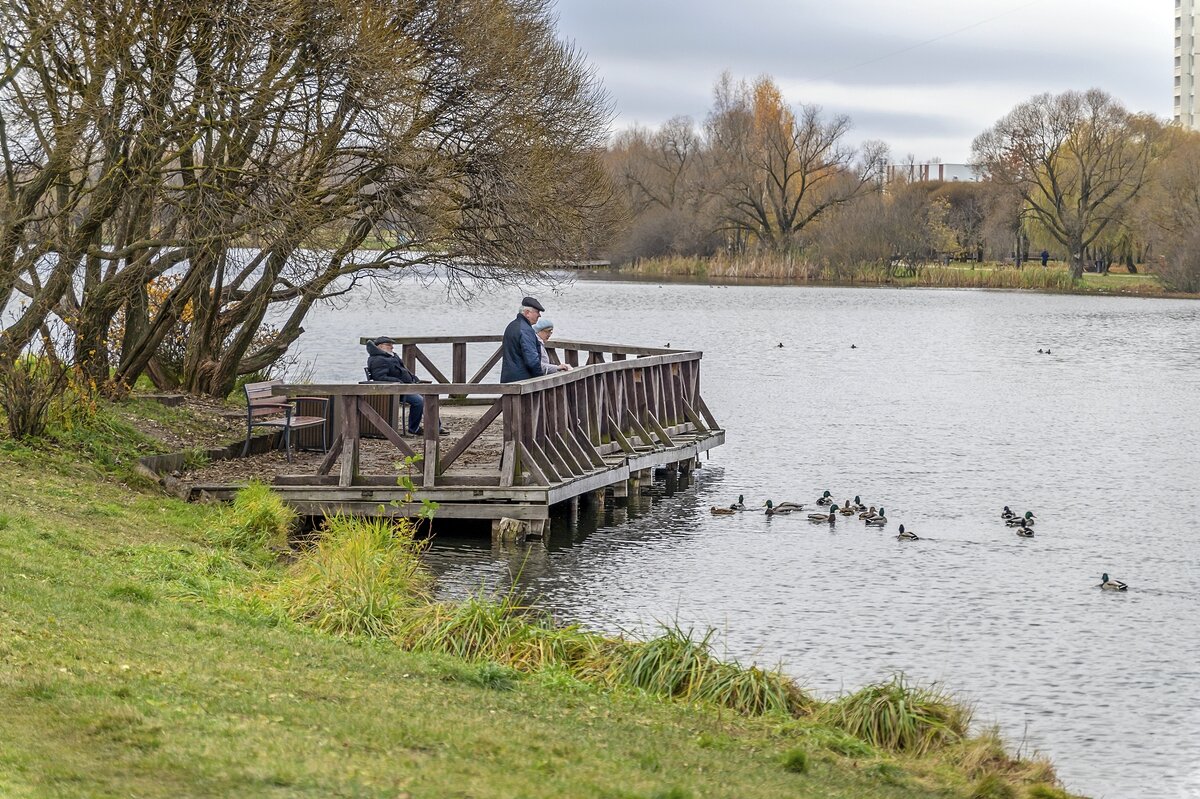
[386,368]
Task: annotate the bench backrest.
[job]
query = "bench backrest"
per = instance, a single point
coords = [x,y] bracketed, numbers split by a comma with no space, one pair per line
[260,394]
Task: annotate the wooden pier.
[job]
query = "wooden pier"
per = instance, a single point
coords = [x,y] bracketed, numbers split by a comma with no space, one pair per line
[620,413]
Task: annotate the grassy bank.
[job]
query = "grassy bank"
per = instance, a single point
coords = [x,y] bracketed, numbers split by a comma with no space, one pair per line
[788,270]
[153,648]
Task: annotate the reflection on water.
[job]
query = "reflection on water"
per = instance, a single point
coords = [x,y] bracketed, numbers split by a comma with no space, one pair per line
[943,412]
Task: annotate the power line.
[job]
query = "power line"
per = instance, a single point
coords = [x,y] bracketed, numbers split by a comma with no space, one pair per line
[938,38]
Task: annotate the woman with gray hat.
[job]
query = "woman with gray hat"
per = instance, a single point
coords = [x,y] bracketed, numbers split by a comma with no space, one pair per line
[543,329]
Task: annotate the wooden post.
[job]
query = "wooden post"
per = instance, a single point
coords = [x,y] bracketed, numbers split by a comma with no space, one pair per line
[350,434]
[432,423]
[458,367]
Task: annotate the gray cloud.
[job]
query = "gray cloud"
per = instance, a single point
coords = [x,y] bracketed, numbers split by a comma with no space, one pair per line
[659,59]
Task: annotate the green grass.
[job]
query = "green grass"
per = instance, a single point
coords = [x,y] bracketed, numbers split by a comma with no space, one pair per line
[141,657]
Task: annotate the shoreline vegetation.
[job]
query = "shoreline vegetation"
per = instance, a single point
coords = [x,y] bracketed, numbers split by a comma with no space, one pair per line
[785,270]
[160,648]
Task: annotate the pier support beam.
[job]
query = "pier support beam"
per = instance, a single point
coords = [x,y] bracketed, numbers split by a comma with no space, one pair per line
[518,531]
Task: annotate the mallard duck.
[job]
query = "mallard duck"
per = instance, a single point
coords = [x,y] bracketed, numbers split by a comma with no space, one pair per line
[740,504]
[1007,513]
[715,511]
[878,520]
[907,535]
[825,499]
[1111,585]
[790,505]
[1024,532]
[858,506]
[868,514]
[847,509]
[830,517]
[777,510]
[1023,521]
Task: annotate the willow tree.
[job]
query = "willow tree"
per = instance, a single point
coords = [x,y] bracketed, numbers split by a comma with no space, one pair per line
[247,149]
[777,169]
[1077,161]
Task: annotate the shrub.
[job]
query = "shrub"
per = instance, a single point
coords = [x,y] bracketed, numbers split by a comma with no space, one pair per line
[360,578]
[28,386]
[256,525]
[900,717]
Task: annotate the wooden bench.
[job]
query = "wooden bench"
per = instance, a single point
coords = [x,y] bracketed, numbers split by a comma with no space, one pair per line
[263,410]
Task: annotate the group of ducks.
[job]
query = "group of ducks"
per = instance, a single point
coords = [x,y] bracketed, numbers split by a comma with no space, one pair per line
[873,517]
[1024,524]
[878,518]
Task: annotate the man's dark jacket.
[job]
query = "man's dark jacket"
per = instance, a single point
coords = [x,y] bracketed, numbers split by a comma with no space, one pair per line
[387,368]
[521,356]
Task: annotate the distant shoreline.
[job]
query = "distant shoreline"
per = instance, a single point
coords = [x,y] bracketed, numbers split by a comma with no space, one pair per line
[1032,278]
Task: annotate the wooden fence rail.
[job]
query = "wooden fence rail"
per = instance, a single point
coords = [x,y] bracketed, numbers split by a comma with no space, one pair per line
[572,427]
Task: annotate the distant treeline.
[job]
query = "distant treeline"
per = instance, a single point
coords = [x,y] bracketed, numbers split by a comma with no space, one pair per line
[1074,174]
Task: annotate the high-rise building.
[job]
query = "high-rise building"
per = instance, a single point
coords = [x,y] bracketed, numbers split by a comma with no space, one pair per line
[1185,65]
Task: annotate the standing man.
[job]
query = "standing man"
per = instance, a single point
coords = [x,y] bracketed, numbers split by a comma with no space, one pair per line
[1045,258]
[522,357]
[385,366]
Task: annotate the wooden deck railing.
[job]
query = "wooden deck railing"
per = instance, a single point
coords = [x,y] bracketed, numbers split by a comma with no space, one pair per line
[620,400]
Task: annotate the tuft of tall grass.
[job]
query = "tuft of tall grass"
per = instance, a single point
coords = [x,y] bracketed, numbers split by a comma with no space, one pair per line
[992,786]
[679,664]
[256,525]
[900,717]
[503,629]
[362,577]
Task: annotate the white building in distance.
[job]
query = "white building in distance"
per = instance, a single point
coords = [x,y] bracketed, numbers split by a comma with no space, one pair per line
[1185,64]
[944,173]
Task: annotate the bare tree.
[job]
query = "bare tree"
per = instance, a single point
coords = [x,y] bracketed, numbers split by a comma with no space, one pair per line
[1076,160]
[250,148]
[776,170]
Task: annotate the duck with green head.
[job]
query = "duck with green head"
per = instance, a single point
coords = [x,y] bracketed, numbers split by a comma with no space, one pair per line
[878,520]
[1111,585]
[830,517]
[740,504]
[906,535]
[1022,521]
[858,506]
[826,499]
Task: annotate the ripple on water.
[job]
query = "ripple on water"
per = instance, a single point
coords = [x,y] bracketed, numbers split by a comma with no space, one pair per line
[943,413]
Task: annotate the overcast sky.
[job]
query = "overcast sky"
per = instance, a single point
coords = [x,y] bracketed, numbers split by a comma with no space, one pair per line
[925,76]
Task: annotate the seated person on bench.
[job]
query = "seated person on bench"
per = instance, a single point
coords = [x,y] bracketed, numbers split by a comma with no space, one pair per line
[384,366]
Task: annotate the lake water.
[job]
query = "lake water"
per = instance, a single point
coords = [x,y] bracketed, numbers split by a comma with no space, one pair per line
[943,413]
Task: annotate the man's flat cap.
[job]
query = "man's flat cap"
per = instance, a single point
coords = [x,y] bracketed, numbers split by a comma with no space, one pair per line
[530,302]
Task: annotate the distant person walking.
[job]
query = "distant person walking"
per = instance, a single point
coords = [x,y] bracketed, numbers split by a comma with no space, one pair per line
[1045,258]
[544,328]
[522,356]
